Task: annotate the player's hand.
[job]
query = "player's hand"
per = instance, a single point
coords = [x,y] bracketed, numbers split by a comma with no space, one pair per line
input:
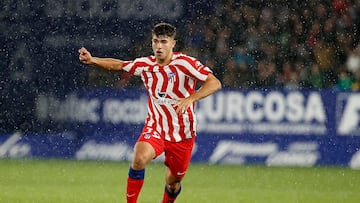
[85,56]
[183,104]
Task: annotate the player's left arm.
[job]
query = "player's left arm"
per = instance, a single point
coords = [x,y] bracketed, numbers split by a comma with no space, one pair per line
[210,86]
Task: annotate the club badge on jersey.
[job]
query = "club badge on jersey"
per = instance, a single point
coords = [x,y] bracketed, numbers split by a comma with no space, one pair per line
[172,77]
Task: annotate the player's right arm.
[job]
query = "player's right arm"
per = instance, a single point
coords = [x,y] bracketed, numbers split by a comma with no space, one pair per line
[105,63]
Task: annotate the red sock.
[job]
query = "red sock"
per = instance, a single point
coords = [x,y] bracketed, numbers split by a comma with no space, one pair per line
[133,189]
[135,182]
[170,197]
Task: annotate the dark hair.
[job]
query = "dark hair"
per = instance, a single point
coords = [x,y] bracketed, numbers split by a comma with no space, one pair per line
[164,29]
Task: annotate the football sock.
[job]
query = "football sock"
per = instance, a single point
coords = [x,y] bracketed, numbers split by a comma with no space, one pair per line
[135,182]
[170,196]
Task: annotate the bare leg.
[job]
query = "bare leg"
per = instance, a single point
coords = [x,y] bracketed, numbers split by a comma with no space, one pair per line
[172,182]
[143,154]
[172,187]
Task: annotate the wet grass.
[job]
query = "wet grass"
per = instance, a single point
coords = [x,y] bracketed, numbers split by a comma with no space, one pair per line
[40,181]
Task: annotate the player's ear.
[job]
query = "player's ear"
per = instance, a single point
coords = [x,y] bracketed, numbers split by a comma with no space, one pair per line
[174,43]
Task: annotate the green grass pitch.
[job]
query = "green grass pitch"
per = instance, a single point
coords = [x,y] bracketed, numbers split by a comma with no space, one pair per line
[70,181]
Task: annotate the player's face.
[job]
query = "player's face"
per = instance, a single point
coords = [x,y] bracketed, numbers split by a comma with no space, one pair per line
[162,47]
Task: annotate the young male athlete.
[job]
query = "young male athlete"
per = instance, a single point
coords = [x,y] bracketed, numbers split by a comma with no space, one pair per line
[170,126]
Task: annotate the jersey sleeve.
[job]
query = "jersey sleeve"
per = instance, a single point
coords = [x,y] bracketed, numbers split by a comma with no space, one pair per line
[194,68]
[132,67]
[203,70]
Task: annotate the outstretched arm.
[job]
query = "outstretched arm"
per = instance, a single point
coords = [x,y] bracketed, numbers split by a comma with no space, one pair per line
[210,86]
[105,63]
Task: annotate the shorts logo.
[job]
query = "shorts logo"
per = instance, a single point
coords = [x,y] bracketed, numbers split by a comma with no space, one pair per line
[156,136]
[147,136]
[180,173]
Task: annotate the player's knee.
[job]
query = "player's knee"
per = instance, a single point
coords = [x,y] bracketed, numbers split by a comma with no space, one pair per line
[143,154]
[174,186]
[173,183]
[140,162]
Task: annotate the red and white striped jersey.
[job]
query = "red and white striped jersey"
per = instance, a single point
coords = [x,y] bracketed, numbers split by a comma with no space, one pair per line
[166,84]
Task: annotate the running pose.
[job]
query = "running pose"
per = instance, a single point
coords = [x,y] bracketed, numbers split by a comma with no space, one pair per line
[170,126]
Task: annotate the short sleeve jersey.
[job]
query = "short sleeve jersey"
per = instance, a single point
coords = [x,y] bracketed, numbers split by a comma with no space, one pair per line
[165,85]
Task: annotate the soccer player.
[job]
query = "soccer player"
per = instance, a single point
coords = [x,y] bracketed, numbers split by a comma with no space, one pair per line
[170,126]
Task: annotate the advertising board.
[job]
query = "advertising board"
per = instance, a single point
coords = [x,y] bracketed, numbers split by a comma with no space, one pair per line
[275,128]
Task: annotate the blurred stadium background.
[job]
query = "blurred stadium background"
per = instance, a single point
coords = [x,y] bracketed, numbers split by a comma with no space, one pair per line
[291,76]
